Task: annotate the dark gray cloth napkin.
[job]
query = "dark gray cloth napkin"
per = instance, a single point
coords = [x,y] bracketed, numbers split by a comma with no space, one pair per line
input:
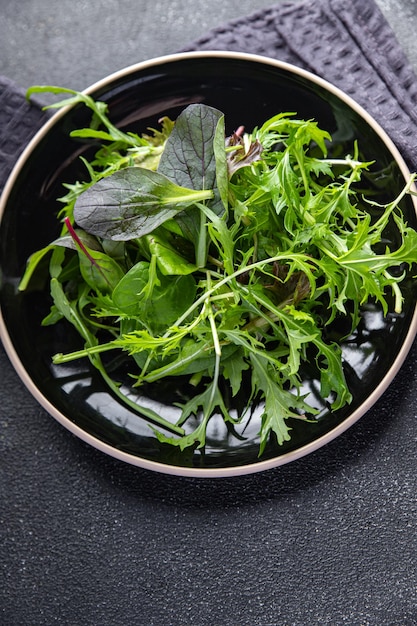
[348,43]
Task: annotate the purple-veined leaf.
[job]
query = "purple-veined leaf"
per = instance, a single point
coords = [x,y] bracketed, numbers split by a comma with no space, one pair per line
[132,202]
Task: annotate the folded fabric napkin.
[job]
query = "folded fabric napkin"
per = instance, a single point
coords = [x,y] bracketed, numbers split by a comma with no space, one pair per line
[348,43]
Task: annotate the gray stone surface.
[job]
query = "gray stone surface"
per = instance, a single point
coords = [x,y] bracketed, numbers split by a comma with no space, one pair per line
[76,42]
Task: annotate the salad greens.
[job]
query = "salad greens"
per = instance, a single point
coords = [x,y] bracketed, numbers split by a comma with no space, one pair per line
[219,260]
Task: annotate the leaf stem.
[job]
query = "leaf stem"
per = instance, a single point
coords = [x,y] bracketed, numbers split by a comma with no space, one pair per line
[84,250]
[93,351]
[242,270]
[393,205]
[218,354]
[201,251]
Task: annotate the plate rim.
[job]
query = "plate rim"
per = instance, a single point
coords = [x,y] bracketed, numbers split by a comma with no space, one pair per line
[216,472]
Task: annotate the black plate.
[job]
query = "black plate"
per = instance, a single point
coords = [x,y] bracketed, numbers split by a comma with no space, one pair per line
[248,90]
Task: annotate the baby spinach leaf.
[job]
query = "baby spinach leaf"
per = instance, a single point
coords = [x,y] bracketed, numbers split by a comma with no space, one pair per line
[189,159]
[158,306]
[128,293]
[170,299]
[169,261]
[132,202]
[194,356]
[103,274]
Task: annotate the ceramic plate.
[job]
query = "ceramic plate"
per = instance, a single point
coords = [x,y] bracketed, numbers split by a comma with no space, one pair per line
[248,89]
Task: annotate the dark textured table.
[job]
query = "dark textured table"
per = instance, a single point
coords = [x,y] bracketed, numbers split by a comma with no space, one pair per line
[87,540]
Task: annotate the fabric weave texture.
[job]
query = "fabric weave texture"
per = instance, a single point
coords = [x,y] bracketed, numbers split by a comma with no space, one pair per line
[349,44]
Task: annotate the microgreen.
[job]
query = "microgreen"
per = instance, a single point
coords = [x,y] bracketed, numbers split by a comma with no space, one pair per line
[223,262]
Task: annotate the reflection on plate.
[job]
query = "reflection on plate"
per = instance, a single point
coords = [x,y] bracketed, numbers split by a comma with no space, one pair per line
[249,90]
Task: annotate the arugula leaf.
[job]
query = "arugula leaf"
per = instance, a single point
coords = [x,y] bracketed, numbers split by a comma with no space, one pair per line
[98,108]
[70,311]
